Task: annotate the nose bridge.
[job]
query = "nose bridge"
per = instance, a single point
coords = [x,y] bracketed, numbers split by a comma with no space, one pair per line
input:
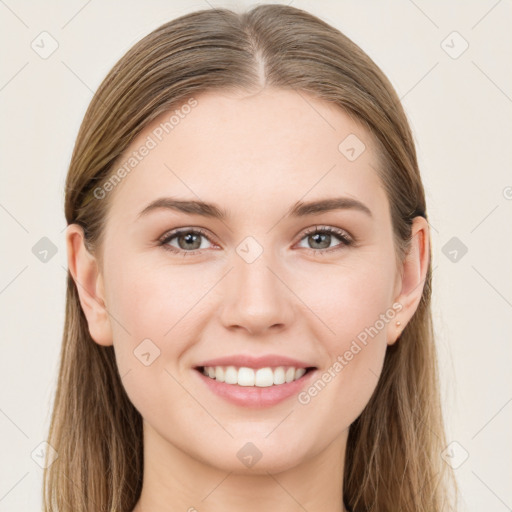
[256,298]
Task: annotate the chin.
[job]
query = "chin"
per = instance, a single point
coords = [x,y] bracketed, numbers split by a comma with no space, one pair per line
[258,455]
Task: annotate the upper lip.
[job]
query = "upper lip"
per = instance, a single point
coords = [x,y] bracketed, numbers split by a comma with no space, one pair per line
[269,360]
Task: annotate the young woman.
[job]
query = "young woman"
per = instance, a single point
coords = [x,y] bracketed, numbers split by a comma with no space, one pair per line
[248,319]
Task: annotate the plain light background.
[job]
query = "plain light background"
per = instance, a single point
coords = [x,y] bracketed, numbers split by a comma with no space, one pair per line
[459,103]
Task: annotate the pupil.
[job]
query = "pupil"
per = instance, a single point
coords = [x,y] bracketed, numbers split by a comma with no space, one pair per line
[189,238]
[321,235]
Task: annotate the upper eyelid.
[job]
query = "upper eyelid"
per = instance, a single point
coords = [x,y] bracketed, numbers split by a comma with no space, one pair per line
[330,229]
[175,232]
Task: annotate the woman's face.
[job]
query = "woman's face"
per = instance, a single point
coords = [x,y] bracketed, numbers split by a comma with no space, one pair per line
[262,286]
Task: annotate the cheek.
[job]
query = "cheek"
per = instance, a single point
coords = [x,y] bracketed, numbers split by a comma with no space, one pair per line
[347,298]
[354,306]
[151,298]
[148,307]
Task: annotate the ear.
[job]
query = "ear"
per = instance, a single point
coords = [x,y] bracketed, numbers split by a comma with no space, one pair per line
[411,281]
[85,271]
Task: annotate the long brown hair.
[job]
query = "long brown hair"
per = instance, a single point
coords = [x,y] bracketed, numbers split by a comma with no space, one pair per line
[393,460]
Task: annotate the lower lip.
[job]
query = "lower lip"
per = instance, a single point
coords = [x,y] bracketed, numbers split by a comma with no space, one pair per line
[249,396]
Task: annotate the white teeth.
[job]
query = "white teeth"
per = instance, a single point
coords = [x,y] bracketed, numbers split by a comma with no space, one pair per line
[262,377]
[299,372]
[245,377]
[279,377]
[220,374]
[231,375]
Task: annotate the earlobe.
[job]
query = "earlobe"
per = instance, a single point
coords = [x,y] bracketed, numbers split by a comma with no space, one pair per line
[84,269]
[414,272]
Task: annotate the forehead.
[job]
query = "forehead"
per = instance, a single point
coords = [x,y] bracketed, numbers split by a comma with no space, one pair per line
[261,151]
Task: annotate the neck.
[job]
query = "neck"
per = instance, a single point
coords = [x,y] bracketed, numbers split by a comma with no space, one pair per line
[173,480]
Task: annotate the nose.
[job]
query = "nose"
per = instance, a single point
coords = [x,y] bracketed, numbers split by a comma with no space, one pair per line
[257,298]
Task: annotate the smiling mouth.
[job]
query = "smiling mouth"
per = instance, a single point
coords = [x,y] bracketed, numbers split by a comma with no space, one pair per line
[252,377]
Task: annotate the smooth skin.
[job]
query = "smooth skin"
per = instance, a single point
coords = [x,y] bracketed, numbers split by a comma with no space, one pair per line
[307,297]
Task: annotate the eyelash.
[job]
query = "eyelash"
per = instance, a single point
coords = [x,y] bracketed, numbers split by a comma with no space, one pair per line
[345,239]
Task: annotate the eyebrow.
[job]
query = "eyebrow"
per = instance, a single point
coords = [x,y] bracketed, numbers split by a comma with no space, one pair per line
[299,209]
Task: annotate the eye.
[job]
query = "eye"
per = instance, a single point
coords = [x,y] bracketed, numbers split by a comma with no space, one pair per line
[322,236]
[188,241]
